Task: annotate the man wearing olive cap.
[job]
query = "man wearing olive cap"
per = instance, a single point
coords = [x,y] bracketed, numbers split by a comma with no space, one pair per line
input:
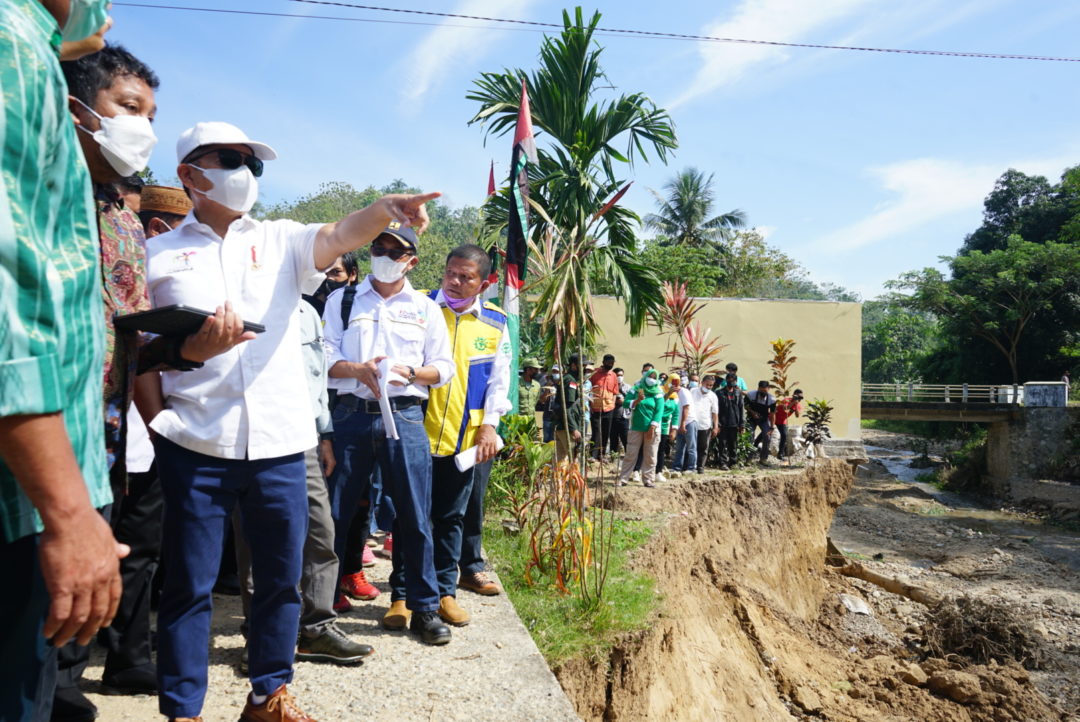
[235,427]
[529,387]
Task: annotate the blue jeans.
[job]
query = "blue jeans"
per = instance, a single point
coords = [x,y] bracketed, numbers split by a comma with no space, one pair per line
[200,492]
[686,449]
[472,561]
[27,658]
[450,493]
[360,443]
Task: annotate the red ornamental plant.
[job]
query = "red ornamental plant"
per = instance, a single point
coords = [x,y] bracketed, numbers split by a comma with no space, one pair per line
[781,364]
[698,351]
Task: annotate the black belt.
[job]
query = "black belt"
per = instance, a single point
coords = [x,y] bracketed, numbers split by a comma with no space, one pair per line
[397,403]
[351,402]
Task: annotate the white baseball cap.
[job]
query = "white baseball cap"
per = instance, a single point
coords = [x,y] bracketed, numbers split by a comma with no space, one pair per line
[217,132]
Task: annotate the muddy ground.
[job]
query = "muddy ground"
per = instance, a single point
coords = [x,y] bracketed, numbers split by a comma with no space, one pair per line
[755,626]
[959,546]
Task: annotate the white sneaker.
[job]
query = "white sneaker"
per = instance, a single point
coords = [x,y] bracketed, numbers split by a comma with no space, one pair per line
[636,476]
[660,478]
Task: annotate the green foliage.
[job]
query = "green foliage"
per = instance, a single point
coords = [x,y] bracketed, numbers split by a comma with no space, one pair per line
[584,138]
[563,626]
[333,201]
[965,467]
[895,341]
[684,214]
[818,415]
[995,295]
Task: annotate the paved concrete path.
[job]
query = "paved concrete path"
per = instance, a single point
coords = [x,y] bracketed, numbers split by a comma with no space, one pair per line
[491,670]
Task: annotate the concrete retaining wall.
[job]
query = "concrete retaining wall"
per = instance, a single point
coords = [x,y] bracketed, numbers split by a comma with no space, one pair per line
[1018,454]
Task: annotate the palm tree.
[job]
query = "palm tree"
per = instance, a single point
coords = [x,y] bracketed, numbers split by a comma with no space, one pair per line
[684,213]
[579,144]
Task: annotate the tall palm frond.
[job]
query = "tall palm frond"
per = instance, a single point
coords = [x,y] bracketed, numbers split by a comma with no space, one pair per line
[683,215]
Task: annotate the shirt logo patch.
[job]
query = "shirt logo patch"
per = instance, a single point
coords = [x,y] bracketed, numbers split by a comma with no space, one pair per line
[182,262]
[482,344]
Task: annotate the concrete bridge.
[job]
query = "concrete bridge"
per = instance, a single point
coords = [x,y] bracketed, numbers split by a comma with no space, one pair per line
[1029,425]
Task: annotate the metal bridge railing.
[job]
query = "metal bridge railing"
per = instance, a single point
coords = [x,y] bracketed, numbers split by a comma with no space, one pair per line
[944,393]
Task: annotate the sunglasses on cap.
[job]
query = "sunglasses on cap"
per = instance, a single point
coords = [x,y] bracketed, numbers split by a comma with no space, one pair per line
[232,159]
[395,254]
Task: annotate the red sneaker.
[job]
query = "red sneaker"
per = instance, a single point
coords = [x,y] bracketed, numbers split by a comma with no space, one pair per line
[388,543]
[342,604]
[357,586]
[368,559]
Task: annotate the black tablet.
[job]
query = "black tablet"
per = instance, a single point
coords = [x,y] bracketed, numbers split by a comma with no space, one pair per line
[176,320]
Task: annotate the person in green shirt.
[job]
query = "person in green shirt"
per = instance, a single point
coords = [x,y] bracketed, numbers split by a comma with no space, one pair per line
[667,434]
[648,412]
[57,551]
[529,388]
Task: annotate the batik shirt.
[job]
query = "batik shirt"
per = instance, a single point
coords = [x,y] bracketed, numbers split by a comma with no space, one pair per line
[51,330]
[123,276]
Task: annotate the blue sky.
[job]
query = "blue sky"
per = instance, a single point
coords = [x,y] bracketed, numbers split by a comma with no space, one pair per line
[859,165]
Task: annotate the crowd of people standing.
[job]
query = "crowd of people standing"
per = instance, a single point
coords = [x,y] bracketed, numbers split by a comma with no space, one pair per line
[666,423]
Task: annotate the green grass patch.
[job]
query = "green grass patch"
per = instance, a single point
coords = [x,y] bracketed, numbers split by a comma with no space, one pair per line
[563,626]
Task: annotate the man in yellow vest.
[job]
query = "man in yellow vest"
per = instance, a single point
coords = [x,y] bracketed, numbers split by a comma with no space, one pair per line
[464,414]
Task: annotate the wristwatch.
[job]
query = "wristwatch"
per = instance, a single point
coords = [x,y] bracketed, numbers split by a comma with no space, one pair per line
[412,374]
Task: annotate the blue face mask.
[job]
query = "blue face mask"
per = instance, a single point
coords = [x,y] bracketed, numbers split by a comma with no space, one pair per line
[692,385]
[85,18]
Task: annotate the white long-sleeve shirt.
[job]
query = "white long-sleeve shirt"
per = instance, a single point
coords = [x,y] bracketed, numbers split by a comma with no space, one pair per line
[408,328]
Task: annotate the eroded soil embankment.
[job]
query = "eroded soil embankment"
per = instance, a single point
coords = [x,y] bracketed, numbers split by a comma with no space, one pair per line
[748,626]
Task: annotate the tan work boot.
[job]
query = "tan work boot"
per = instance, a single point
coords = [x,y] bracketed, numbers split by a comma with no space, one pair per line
[479,583]
[452,613]
[278,707]
[397,617]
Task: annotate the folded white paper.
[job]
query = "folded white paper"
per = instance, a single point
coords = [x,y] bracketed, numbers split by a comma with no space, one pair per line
[384,397]
[467,459]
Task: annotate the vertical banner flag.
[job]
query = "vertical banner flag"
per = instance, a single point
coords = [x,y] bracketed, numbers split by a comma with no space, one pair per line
[492,291]
[517,232]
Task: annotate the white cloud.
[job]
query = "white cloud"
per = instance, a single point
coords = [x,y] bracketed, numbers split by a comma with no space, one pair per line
[925,190]
[777,20]
[448,46]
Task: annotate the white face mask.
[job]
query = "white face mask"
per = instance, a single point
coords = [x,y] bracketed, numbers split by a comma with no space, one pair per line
[387,270]
[235,189]
[126,141]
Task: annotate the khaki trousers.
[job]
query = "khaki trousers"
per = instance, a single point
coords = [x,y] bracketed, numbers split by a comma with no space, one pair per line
[636,440]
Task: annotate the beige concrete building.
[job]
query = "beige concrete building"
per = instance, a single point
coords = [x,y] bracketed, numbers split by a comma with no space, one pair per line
[828,338]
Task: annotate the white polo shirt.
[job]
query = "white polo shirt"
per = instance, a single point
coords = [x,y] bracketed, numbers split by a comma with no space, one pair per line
[705,405]
[686,398]
[408,327]
[251,401]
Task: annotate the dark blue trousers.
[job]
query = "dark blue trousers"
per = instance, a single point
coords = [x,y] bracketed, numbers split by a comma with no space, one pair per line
[450,493]
[360,444]
[200,493]
[27,659]
[472,561]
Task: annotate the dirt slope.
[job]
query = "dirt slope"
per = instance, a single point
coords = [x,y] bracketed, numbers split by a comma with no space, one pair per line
[750,629]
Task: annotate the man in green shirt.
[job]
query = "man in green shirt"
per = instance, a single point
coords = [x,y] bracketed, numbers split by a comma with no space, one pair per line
[56,549]
[529,388]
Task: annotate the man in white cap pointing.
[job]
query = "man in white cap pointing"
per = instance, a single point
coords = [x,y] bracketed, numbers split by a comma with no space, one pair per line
[234,427]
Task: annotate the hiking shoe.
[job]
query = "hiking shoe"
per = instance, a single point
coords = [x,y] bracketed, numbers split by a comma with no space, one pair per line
[278,707]
[332,646]
[357,586]
[430,628]
[636,476]
[452,613]
[342,604]
[479,583]
[397,617]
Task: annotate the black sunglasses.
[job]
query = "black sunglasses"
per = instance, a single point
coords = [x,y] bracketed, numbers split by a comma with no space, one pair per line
[232,159]
[396,254]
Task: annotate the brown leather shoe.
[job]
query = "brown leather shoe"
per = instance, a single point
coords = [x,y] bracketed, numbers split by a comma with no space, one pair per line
[397,617]
[278,707]
[479,583]
[452,613]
